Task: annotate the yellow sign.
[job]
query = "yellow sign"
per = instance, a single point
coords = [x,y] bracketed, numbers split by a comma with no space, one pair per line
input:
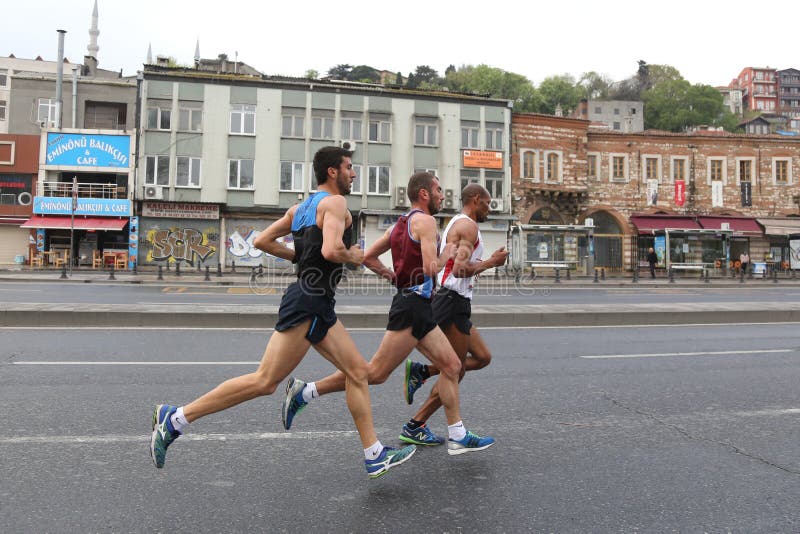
[482,158]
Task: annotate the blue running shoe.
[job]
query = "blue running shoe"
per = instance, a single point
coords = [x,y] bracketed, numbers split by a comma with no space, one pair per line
[470,443]
[413,379]
[388,458]
[421,436]
[163,433]
[293,403]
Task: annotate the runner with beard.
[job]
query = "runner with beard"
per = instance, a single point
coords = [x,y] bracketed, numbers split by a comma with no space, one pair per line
[322,231]
[413,241]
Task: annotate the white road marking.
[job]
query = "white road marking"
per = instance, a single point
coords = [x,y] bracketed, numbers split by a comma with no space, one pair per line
[760,413]
[709,353]
[133,363]
[67,440]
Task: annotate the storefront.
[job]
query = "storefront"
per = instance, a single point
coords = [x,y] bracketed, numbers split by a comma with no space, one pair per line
[19,163]
[779,233]
[183,232]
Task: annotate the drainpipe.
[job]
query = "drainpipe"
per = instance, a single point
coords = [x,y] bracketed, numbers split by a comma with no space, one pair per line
[74,96]
[59,76]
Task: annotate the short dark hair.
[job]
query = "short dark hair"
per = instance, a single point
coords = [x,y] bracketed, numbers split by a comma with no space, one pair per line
[419,181]
[473,190]
[327,157]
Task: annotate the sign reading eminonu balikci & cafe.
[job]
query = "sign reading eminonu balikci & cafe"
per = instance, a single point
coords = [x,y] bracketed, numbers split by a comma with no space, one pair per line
[88,150]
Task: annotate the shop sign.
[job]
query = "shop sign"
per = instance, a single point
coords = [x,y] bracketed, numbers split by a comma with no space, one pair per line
[88,150]
[102,207]
[484,159]
[16,189]
[680,192]
[180,210]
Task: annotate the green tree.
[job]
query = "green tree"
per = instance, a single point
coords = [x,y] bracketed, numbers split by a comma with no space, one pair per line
[364,73]
[340,72]
[595,86]
[676,105]
[495,83]
[399,78]
[561,91]
[311,74]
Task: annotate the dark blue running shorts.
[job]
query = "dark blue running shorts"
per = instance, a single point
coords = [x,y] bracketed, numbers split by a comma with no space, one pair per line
[299,305]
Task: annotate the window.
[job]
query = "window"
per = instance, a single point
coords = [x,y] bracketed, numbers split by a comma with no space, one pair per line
[293,122]
[619,168]
[322,127]
[356,187]
[243,120]
[469,134]
[190,119]
[781,171]
[187,172]
[240,174]
[351,128]
[156,170]
[616,125]
[380,129]
[292,176]
[553,167]
[105,116]
[469,177]
[598,110]
[616,111]
[426,132]
[716,170]
[745,170]
[378,180]
[592,169]
[47,112]
[678,169]
[2,110]
[652,168]
[158,117]
[528,164]
[494,184]
[494,136]
[3,77]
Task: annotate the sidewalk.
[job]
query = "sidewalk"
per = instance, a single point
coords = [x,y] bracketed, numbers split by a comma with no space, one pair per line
[374,316]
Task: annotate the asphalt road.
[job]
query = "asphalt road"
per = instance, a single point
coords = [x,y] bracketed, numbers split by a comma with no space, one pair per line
[504,293]
[613,429]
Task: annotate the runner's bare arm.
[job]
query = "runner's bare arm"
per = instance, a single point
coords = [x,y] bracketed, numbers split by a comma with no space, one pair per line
[333,212]
[266,240]
[466,234]
[424,227]
[372,256]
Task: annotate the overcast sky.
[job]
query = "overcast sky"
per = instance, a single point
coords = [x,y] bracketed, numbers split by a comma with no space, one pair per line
[708,41]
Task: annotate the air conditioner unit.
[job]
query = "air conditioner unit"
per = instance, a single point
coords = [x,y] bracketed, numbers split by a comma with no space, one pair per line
[349,144]
[153,192]
[496,204]
[724,226]
[449,199]
[400,197]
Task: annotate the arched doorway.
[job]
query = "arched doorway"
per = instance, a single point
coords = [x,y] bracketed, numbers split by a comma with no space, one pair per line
[607,241]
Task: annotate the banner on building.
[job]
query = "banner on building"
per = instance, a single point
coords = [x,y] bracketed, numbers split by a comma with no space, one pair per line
[716,194]
[652,192]
[747,194]
[104,207]
[133,242]
[794,253]
[680,192]
[88,150]
[486,159]
[180,210]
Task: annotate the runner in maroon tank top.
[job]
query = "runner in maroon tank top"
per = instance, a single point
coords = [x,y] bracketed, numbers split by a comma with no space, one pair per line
[416,260]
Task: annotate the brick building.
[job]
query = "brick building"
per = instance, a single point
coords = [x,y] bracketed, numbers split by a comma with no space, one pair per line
[730,192]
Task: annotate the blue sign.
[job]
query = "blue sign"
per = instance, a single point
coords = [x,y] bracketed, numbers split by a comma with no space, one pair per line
[101,207]
[88,150]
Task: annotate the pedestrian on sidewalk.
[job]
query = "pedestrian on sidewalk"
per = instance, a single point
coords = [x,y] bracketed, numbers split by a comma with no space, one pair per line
[744,259]
[652,259]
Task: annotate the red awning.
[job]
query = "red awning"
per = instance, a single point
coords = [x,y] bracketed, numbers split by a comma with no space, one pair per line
[81,223]
[737,224]
[646,224]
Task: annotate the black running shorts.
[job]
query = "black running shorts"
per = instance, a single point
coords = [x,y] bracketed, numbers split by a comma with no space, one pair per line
[450,307]
[410,309]
[298,306]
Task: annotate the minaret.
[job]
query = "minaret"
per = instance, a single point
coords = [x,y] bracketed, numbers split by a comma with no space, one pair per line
[93,49]
[197,53]
[149,54]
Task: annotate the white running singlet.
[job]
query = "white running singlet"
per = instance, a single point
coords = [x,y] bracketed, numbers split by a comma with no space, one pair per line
[445,278]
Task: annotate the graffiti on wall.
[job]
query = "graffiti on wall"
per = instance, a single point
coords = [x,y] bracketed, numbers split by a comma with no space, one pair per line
[240,248]
[182,244]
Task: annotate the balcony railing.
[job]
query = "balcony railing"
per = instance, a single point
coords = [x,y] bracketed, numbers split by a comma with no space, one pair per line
[64,189]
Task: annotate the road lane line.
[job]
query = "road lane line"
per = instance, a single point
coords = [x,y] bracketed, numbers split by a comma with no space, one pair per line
[777,411]
[67,440]
[254,362]
[708,353]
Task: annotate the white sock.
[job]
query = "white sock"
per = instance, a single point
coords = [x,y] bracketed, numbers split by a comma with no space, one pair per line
[373,451]
[178,420]
[457,431]
[310,391]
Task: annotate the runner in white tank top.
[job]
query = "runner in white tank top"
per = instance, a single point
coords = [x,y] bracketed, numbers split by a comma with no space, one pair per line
[445,278]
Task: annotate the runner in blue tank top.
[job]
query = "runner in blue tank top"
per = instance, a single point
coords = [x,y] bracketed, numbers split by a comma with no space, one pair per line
[321,227]
[417,260]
